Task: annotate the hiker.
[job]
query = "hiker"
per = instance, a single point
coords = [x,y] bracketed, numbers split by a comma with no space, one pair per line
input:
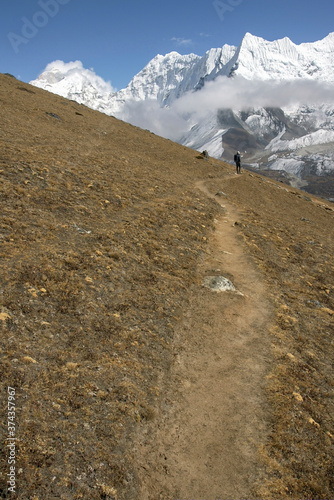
[237,161]
[205,154]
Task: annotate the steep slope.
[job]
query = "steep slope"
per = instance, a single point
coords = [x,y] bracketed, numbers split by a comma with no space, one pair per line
[100,237]
[107,232]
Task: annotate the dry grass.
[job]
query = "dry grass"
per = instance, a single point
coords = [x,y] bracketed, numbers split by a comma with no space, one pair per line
[100,235]
[101,232]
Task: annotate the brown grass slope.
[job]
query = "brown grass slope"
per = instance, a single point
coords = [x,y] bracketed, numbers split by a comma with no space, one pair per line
[101,233]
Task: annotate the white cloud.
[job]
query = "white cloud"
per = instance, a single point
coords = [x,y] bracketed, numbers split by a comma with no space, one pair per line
[239,93]
[165,122]
[73,68]
[234,93]
[182,41]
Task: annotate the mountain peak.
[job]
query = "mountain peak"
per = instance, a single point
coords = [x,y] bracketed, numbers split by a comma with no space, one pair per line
[249,38]
[172,54]
[326,44]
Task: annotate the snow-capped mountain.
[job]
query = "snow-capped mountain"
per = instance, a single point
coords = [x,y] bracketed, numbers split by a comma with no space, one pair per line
[274,101]
[73,81]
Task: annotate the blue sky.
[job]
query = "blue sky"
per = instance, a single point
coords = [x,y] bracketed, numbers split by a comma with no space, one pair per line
[119,37]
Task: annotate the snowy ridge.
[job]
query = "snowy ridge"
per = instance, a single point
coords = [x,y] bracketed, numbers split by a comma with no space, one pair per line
[284,60]
[160,80]
[318,137]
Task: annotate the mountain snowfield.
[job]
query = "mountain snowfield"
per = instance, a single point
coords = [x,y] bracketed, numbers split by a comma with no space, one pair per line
[272,100]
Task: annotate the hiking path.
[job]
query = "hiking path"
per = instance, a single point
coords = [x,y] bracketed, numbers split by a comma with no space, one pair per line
[205,445]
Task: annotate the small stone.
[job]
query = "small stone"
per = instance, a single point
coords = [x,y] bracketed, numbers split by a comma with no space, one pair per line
[218,284]
[54,115]
[306,220]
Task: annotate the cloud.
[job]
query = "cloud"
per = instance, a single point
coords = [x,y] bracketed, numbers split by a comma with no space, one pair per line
[182,41]
[239,93]
[233,93]
[165,122]
[60,70]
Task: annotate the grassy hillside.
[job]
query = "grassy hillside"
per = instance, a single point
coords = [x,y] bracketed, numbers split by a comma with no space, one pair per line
[101,233]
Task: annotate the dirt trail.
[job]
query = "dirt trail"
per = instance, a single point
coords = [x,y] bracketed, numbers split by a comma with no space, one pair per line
[215,418]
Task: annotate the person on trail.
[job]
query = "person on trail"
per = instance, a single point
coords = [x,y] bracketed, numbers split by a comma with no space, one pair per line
[237,161]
